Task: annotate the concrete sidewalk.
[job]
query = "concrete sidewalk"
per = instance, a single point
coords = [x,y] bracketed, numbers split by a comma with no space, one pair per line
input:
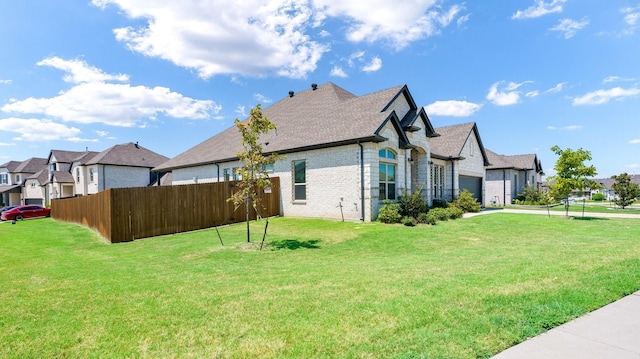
[612,331]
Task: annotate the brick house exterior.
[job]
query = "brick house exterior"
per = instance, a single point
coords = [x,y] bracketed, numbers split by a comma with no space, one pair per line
[344,153]
[507,176]
[458,162]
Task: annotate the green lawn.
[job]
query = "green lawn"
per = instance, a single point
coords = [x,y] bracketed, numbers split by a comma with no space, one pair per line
[462,289]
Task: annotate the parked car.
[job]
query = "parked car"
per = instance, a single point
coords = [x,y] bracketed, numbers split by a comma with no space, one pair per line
[6,208]
[26,211]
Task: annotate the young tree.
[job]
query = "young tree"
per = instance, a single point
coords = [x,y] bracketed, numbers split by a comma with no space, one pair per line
[253,172]
[626,190]
[571,173]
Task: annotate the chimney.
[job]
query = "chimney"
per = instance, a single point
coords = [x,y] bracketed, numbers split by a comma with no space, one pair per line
[290,93]
[314,86]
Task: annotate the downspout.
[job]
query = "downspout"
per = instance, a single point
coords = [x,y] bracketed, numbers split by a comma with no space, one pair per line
[218,165]
[504,187]
[361,181]
[406,164]
[453,181]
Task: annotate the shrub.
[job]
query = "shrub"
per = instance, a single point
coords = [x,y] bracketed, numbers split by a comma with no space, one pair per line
[389,212]
[431,218]
[598,197]
[466,202]
[439,203]
[454,212]
[439,214]
[531,196]
[408,221]
[424,218]
[411,205]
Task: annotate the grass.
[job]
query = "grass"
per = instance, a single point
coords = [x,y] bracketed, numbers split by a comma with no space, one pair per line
[465,289]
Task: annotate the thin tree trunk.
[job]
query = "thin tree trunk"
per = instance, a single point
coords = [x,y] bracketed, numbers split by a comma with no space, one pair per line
[247,216]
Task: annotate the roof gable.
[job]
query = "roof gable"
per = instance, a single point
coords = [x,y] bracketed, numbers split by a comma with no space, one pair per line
[452,140]
[32,165]
[321,116]
[128,154]
[10,166]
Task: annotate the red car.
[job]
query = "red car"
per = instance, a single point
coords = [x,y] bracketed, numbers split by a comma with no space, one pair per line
[26,211]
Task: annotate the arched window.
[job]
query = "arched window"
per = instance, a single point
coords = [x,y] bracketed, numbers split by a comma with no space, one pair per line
[387,172]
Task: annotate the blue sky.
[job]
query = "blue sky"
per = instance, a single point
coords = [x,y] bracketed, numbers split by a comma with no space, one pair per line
[531,73]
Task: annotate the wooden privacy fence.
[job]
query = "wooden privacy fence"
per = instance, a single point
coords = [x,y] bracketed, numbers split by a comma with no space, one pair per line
[126,214]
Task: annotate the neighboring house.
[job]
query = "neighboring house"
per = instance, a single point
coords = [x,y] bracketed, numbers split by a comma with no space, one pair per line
[344,154]
[60,182]
[12,177]
[507,176]
[458,162]
[9,187]
[125,165]
[607,187]
[35,190]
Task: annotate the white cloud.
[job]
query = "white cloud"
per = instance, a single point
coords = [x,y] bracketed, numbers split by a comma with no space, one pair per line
[557,88]
[452,108]
[540,8]
[337,71]
[632,15]
[396,22]
[34,130]
[532,94]
[565,128]
[6,82]
[507,96]
[225,36]
[569,27]
[635,141]
[616,78]
[600,97]
[102,133]
[92,100]
[261,98]
[241,111]
[374,65]
[79,71]
[78,139]
[6,143]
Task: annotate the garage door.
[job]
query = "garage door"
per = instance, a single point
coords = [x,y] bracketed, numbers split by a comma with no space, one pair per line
[37,201]
[473,184]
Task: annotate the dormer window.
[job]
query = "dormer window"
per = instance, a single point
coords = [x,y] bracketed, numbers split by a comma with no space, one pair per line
[52,167]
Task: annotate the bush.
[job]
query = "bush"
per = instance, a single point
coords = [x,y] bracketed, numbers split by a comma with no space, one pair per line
[439,203]
[424,218]
[466,202]
[411,205]
[431,218]
[531,196]
[408,221]
[598,197]
[454,212]
[389,212]
[439,214]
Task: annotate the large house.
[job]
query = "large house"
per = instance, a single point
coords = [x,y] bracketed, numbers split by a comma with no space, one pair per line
[507,176]
[458,162]
[344,154]
[73,173]
[13,175]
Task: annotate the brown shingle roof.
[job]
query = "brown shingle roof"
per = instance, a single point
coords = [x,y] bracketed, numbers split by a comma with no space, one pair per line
[62,177]
[308,119]
[32,165]
[128,154]
[452,140]
[65,156]
[521,162]
[11,165]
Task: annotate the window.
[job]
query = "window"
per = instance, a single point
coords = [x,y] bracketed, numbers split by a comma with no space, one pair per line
[91,175]
[299,180]
[237,175]
[4,178]
[437,181]
[226,173]
[268,168]
[33,184]
[52,167]
[77,174]
[387,173]
[17,178]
